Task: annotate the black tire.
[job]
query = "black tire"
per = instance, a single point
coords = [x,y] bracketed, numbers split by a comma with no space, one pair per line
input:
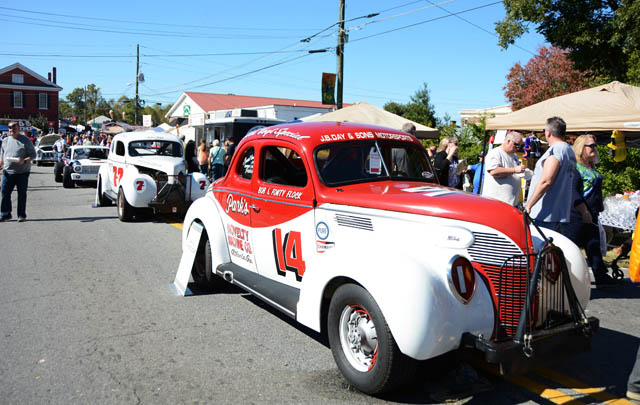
[57,172]
[38,163]
[102,199]
[66,178]
[371,370]
[125,211]
[202,271]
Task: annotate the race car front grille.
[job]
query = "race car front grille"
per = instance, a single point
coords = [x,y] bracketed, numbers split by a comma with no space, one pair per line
[90,169]
[507,277]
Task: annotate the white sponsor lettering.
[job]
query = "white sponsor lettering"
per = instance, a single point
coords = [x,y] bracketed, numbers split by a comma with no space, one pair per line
[237,206]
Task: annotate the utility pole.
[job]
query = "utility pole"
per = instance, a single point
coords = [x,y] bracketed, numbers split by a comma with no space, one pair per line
[135,122]
[340,53]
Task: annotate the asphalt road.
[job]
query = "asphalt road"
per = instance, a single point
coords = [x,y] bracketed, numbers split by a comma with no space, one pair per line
[86,316]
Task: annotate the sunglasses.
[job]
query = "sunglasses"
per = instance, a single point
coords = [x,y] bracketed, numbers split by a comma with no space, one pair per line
[517,144]
[592,146]
[13,126]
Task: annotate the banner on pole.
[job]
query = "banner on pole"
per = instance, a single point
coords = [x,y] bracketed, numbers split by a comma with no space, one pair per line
[328,88]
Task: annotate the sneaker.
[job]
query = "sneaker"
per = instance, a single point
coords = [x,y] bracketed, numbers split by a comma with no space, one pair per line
[633,395]
[5,218]
[21,219]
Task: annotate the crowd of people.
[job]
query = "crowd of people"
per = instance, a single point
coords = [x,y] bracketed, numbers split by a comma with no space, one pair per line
[211,159]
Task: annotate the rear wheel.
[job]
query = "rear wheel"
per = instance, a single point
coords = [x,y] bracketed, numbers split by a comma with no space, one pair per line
[66,178]
[202,271]
[126,212]
[102,199]
[362,344]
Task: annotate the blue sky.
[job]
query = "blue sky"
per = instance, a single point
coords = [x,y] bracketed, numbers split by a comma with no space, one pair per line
[96,43]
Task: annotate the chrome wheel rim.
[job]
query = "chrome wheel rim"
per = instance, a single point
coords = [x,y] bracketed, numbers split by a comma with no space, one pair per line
[120,204]
[358,338]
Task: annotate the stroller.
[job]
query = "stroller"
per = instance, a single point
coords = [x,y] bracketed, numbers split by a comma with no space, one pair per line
[625,248]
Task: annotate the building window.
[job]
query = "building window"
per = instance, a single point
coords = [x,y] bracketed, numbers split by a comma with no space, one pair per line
[42,101]
[18,99]
[17,78]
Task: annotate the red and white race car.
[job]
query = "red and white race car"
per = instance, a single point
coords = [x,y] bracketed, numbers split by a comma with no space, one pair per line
[344,228]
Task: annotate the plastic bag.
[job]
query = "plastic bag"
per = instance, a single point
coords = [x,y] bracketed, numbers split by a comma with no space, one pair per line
[603,240]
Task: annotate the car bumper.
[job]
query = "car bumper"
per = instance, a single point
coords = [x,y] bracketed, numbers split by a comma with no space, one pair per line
[546,346]
[84,176]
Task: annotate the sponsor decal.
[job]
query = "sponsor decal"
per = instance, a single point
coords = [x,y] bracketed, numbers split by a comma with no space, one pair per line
[277,132]
[322,230]
[288,253]
[393,137]
[348,136]
[239,243]
[279,192]
[429,191]
[322,246]
[239,206]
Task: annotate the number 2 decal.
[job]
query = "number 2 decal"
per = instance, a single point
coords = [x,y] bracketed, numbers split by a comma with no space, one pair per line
[288,254]
[117,175]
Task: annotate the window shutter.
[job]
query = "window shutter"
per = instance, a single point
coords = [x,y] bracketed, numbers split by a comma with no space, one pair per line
[48,101]
[12,102]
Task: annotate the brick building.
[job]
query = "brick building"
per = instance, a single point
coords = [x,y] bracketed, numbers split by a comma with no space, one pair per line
[24,94]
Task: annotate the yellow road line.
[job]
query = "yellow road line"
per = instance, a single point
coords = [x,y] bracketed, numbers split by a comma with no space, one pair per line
[597,393]
[176,224]
[555,396]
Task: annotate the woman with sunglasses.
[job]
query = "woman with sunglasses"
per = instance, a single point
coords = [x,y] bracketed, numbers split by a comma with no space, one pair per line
[585,233]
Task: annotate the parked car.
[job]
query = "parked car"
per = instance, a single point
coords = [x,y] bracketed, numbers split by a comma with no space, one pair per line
[342,227]
[146,171]
[44,149]
[80,164]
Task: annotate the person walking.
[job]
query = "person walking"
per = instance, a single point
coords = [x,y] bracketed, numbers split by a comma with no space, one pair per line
[445,162]
[502,167]
[203,157]
[60,145]
[16,154]
[217,160]
[553,177]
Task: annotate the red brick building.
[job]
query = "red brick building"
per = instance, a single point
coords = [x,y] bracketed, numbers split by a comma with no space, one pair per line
[24,94]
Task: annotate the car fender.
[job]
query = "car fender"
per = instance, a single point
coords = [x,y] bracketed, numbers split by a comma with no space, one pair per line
[205,211]
[576,263]
[139,189]
[423,314]
[197,187]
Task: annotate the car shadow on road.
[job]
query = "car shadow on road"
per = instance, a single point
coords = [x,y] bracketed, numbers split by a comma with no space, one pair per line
[80,219]
[626,290]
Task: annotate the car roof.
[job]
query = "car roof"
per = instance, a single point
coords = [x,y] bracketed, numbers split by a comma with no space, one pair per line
[145,135]
[89,147]
[312,134]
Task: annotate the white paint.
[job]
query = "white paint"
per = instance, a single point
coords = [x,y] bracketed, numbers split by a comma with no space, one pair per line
[179,286]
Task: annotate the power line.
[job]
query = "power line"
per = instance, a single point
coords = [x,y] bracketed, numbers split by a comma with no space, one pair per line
[149,23]
[426,21]
[475,25]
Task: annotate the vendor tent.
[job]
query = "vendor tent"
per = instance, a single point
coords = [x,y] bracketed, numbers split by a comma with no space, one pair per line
[365,113]
[101,119]
[604,108]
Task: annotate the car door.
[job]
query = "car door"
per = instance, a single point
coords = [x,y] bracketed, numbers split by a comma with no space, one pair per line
[116,165]
[282,212]
[235,198]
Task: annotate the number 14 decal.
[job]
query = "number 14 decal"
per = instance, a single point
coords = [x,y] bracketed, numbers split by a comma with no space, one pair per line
[288,254]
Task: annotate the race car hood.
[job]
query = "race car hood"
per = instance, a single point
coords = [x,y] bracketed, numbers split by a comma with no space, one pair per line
[47,141]
[168,165]
[91,161]
[433,200]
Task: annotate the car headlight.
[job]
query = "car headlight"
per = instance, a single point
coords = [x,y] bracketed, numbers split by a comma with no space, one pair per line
[77,167]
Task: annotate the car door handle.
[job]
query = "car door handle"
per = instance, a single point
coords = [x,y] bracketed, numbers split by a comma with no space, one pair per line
[255,207]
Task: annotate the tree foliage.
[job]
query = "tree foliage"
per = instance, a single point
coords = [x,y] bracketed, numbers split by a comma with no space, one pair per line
[419,109]
[619,176]
[602,36]
[548,74]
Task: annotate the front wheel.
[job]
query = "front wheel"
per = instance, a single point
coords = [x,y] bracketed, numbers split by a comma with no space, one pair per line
[57,172]
[125,210]
[202,271]
[66,178]
[362,344]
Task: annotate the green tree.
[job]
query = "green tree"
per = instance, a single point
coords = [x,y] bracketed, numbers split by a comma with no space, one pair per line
[419,109]
[619,176]
[602,37]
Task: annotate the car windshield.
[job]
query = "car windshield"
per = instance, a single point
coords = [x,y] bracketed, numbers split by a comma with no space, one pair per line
[90,153]
[355,162]
[155,148]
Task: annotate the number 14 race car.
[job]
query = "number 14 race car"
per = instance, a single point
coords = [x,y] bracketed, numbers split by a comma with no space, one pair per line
[344,228]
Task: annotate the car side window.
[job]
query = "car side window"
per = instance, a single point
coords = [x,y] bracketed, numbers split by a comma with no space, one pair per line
[245,164]
[119,148]
[283,166]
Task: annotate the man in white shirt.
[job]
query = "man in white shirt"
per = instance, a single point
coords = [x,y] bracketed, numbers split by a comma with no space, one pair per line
[501,171]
